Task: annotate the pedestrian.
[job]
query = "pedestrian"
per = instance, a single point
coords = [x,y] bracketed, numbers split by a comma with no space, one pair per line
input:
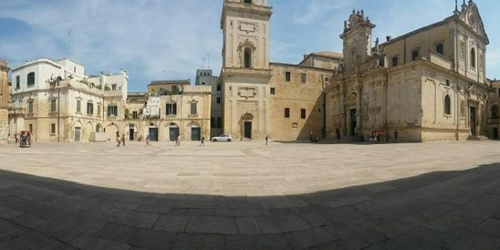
[337,133]
[147,140]
[16,136]
[202,141]
[117,139]
[387,137]
[178,141]
[395,135]
[267,139]
[123,140]
[311,136]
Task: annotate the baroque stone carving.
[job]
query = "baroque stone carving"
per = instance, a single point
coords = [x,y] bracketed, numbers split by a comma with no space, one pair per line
[247,92]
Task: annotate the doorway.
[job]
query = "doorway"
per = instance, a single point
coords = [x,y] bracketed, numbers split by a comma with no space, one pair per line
[195,134]
[354,123]
[174,133]
[473,127]
[78,131]
[495,133]
[153,134]
[131,131]
[248,130]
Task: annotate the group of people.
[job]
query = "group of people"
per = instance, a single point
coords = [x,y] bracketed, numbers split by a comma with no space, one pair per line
[120,140]
[377,137]
[24,139]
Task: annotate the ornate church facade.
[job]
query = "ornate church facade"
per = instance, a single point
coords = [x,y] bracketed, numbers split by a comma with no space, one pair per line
[428,85]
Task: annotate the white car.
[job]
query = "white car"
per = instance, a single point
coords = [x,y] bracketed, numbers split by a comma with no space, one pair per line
[226,138]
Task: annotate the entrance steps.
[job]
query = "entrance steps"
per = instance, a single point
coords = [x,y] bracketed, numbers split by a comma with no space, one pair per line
[478,138]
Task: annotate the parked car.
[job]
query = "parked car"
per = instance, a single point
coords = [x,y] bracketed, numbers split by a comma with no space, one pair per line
[226,138]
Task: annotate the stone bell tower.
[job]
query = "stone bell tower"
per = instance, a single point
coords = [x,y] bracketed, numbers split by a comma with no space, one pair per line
[245,67]
[357,38]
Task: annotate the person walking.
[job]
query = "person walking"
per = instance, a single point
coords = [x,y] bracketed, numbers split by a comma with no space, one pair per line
[202,141]
[337,133]
[117,139]
[267,139]
[178,141]
[147,140]
[395,135]
[123,140]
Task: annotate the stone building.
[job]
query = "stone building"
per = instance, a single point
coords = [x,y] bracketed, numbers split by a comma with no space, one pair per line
[494,111]
[261,98]
[186,114]
[57,102]
[5,100]
[205,77]
[429,84]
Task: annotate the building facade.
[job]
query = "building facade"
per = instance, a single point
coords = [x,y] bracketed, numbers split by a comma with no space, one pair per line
[5,100]
[204,77]
[57,102]
[494,111]
[282,101]
[428,85]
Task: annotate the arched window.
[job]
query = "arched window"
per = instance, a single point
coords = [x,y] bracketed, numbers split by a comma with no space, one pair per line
[447,105]
[248,1]
[415,54]
[473,57]
[495,112]
[440,48]
[248,58]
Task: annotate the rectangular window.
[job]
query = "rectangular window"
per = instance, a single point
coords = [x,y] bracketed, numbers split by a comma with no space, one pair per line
[53,105]
[219,122]
[90,108]
[18,82]
[53,128]
[30,107]
[78,106]
[288,76]
[303,78]
[273,91]
[113,86]
[303,113]
[287,113]
[194,110]
[135,115]
[218,100]
[218,87]
[112,110]
[31,79]
[395,61]
[171,108]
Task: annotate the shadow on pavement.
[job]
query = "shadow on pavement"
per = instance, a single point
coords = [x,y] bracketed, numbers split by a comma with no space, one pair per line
[441,210]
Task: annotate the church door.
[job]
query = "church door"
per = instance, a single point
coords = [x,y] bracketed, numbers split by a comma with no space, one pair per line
[353,122]
[248,130]
[473,126]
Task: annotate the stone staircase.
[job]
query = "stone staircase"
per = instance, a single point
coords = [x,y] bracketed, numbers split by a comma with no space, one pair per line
[478,138]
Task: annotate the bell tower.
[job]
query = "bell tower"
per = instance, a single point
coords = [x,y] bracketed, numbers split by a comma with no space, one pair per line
[245,27]
[245,68]
[357,38]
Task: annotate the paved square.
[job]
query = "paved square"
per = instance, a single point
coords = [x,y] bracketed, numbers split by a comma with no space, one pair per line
[245,195]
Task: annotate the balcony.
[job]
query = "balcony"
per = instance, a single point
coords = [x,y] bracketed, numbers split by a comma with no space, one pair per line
[17,111]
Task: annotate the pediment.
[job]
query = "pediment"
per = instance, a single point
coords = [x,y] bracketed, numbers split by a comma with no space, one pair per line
[471,17]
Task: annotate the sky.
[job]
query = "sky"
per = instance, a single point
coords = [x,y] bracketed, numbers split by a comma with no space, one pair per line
[171,39]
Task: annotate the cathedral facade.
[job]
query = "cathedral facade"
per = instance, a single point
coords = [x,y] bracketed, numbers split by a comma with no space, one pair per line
[427,85]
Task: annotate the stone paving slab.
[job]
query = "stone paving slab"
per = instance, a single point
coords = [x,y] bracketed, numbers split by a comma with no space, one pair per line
[245,195]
